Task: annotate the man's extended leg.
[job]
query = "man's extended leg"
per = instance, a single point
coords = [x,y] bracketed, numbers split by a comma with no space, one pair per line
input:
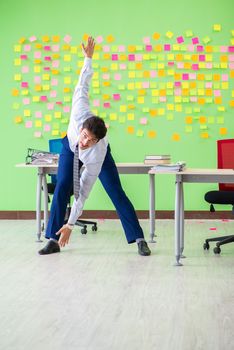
[110,180]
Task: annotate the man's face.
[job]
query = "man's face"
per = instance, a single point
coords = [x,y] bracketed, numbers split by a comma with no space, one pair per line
[87,139]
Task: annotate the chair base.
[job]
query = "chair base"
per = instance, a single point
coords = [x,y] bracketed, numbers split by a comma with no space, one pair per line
[220,241]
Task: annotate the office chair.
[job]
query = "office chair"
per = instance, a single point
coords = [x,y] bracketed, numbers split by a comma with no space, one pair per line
[225,194]
[55,146]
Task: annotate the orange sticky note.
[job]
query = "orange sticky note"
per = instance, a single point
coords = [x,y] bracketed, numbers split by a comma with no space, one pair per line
[218,100]
[18,120]
[56,38]
[202,120]
[204,135]
[223,131]
[130,129]
[176,137]
[63,134]
[156,36]
[45,38]
[131,48]
[85,37]
[201,101]
[38,46]
[216,77]
[22,40]
[189,120]
[110,39]
[15,92]
[231,103]
[151,134]
[153,112]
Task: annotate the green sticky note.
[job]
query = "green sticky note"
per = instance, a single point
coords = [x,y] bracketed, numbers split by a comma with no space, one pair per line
[188,110]
[64,121]
[122,120]
[209,100]
[154,100]
[206,39]
[121,87]
[188,33]
[220,120]
[211,120]
[170,116]
[145,109]
[203,127]
[139,133]
[196,109]
[130,98]
[188,128]
[103,115]
[185,99]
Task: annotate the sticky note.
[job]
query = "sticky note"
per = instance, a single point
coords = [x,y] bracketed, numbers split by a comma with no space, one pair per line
[180,39]
[116,97]
[195,41]
[217,27]
[143,121]
[28,124]
[223,131]
[169,34]
[106,105]
[38,123]
[139,133]
[175,137]
[37,134]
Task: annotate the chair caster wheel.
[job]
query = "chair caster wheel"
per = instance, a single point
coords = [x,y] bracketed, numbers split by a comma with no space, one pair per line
[94,228]
[206,246]
[217,250]
[83,231]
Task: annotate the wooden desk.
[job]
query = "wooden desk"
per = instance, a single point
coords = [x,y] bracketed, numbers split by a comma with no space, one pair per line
[190,176]
[44,169]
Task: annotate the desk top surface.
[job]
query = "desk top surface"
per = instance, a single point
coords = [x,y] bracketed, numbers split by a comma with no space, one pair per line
[119,165]
[195,171]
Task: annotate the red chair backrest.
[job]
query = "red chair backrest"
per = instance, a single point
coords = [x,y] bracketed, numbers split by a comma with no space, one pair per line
[225,152]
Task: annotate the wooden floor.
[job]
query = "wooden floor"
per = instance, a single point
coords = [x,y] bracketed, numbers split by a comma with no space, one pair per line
[99,294]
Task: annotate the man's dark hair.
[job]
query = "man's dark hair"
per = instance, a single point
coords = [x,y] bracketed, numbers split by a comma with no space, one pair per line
[96,126]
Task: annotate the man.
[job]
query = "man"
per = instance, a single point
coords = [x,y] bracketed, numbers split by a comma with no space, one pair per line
[86,139]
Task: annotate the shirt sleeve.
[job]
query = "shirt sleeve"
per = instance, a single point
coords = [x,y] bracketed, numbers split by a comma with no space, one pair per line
[80,100]
[87,180]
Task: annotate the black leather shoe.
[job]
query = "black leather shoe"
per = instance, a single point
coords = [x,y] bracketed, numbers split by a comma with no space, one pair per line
[143,248]
[50,248]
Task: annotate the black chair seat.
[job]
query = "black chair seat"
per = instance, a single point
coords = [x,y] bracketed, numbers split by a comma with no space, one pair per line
[220,197]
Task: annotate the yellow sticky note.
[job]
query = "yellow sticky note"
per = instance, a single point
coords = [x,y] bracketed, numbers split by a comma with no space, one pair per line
[45,77]
[131,86]
[36,98]
[17,77]
[17,62]
[55,132]
[140,100]
[45,38]
[17,48]
[169,34]
[38,123]
[123,108]
[130,116]
[217,27]
[46,87]
[37,69]
[131,74]
[95,84]
[67,58]
[57,115]
[48,117]
[27,113]
[113,116]
[161,111]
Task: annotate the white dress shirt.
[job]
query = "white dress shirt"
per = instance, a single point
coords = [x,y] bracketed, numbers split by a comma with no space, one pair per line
[93,156]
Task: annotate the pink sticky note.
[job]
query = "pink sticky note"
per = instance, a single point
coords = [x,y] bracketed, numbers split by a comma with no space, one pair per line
[193,98]
[122,66]
[55,48]
[54,82]
[209,65]
[170,64]
[208,85]
[106,76]
[224,77]
[28,124]
[230,48]
[231,58]
[121,48]
[180,65]
[25,69]
[200,48]
[53,93]
[37,54]
[195,41]
[223,48]
[24,84]
[116,97]
[138,57]
[202,58]
[47,127]
[37,134]
[162,99]
[26,101]
[117,76]
[67,38]
[167,47]
[106,48]
[37,79]
[195,66]
[177,83]
[43,98]
[217,93]
[99,39]
[106,104]
[212,228]
[145,84]
[96,103]
[180,39]
[146,40]
[177,92]
[192,76]
[66,109]
[131,57]
[148,48]
[38,114]
[27,48]
[114,57]
[24,57]
[59,103]
[32,38]
[47,58]
[231,65]
[47,69]
[55,64]
[50,106]
[47,48]
[185,76]
[153,73]
[143,121]
[190,48]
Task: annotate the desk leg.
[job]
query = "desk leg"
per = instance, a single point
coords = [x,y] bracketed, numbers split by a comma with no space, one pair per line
[38,205]
[152,208]
[177,220]
[182,222]
[45,189]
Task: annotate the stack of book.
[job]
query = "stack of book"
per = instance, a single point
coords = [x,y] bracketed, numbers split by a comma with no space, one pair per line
[178,166]
[157,159]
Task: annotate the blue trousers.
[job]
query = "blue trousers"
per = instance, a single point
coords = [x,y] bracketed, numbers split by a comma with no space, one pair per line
[110,180]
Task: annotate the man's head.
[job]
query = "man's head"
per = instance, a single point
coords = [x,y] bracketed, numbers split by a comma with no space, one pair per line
[93,130]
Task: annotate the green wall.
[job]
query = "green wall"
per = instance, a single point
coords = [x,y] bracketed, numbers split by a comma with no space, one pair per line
[128,21]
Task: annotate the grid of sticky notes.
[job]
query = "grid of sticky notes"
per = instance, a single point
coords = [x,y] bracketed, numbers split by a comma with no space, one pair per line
[175,77]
